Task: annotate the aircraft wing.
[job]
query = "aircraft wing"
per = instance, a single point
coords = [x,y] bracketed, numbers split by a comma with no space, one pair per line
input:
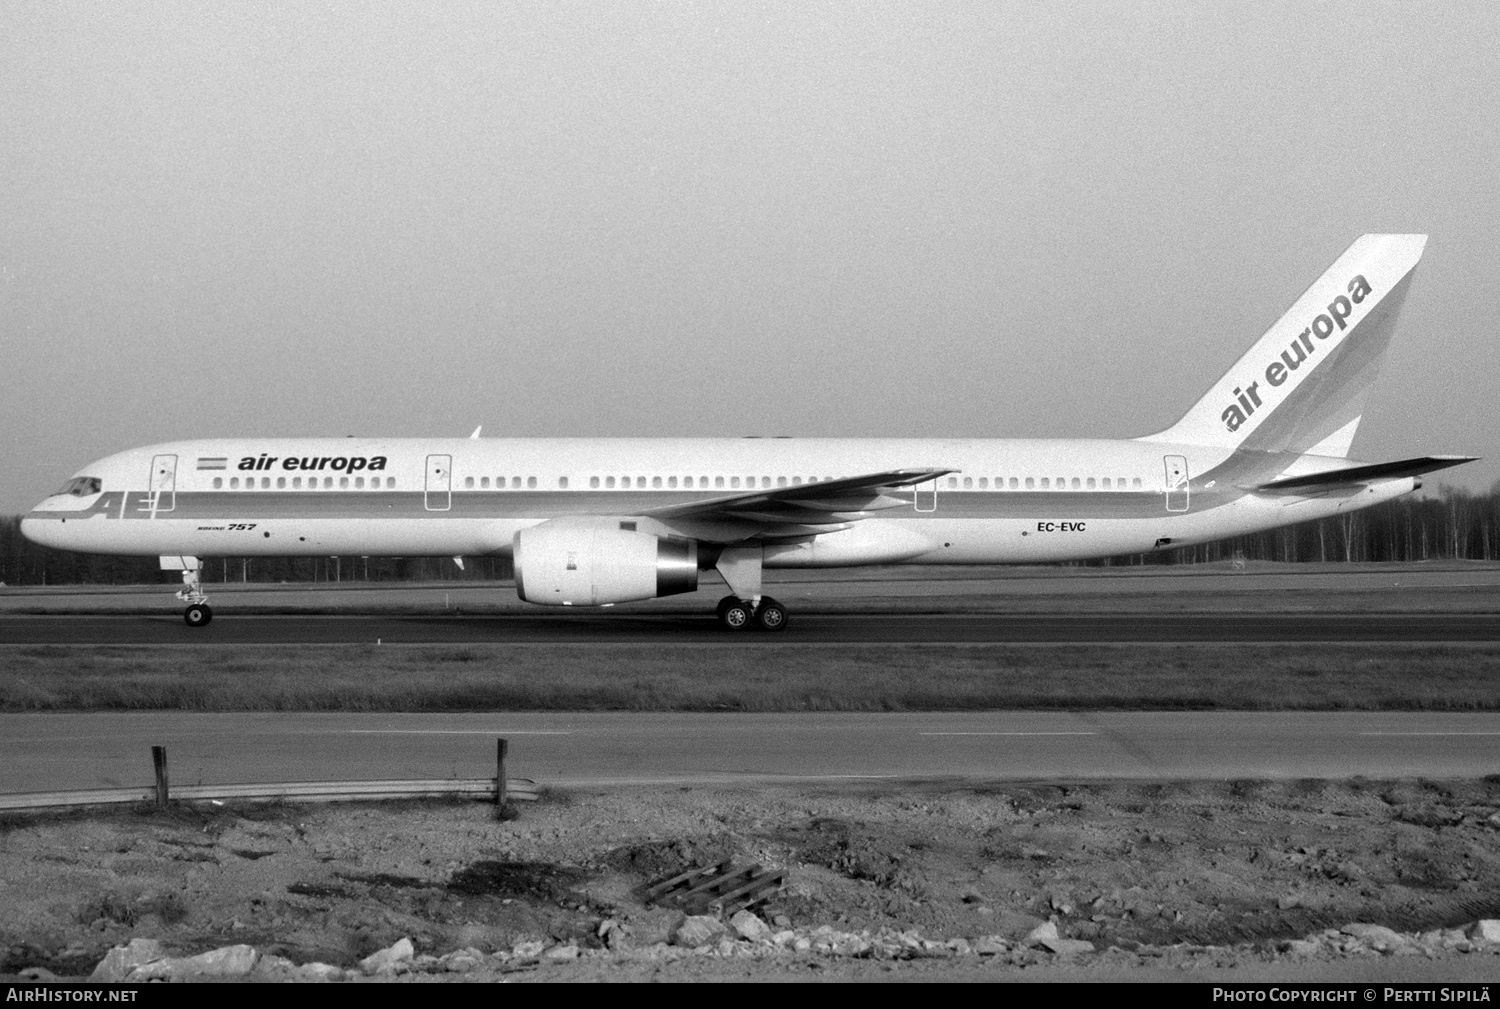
[803,510]
[1353,475]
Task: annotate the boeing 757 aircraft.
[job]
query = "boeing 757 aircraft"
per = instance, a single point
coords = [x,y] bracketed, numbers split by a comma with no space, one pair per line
[599,521]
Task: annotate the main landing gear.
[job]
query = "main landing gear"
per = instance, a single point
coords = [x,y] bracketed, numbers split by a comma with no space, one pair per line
[736,614]
[198,613]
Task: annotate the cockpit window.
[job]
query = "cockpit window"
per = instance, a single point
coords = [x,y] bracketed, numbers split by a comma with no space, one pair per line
[80,486]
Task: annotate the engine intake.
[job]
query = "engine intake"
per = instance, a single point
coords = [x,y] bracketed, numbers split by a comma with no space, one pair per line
[594,562]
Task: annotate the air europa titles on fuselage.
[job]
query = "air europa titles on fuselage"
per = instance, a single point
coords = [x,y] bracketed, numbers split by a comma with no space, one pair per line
[1302,348]
[340,463]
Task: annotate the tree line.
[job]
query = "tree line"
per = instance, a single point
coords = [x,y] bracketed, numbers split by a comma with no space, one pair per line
[1451,524]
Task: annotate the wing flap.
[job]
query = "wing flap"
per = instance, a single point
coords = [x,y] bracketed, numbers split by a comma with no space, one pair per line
[816,507]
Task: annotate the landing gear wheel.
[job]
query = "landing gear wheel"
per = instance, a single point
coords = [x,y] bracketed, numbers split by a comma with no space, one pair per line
[198,615]
[771,616]
[734,615]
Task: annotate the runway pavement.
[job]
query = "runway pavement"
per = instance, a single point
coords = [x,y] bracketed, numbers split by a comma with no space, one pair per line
[65,751]
[810,629]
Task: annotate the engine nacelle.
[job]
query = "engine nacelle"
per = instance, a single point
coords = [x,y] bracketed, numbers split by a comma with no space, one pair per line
[591,562]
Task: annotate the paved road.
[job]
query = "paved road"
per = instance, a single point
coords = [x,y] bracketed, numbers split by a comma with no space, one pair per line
[617,628]
[62,751]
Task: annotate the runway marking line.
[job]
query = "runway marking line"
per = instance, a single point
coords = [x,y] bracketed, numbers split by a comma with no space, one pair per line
[1007,733]
[457,732]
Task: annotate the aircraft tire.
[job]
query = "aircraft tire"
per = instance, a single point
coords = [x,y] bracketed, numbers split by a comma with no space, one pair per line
[197,615]
[771,616]
[735,616]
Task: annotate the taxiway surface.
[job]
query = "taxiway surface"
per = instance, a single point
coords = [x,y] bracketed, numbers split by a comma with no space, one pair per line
[43,752]
[836,628]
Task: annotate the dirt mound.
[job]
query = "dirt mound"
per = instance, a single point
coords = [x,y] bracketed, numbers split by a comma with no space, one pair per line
[1116,864]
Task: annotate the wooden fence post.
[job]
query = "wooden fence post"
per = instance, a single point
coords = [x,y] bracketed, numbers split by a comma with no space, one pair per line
[501,747]
[159,759]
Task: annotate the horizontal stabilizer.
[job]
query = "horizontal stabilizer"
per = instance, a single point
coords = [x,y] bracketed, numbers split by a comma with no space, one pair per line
[1367,474]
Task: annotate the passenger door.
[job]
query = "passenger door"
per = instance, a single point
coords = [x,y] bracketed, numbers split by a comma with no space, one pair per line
[439,488]
[926,496]
[1177,483]
[163,484]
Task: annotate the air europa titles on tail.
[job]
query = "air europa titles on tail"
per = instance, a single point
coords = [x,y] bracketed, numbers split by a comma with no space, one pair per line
[1301,349]
[600,521]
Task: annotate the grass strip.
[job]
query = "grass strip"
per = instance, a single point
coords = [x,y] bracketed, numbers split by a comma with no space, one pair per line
[764,678]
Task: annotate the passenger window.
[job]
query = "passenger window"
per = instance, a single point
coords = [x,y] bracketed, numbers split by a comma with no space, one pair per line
[469,482]
[297,482]
[1076,483]
[953,481]
[328,483]
[609,482]
[218,482]
[531,481]
[1030,482]
[656,481]
[1136,482]
[280,482]
[672,481]
[796,481]
[734,481]
[359,482]
[1046,483]
[234,483]
[594,482]
[765,481]
[484,483]
[562,482]
[1106,483]
[968,483]
[984,482]
[343,483]
[1091,483]
[515,483]
[781,481]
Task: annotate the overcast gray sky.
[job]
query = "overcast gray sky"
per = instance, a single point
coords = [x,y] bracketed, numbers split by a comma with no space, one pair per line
[676,218]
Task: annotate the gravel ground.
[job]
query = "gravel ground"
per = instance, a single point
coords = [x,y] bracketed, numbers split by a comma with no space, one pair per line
[922,881]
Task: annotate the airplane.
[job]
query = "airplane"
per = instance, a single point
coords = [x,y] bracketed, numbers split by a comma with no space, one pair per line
[600,521]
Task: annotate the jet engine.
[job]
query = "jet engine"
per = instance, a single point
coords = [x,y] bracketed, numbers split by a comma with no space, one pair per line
[593,562]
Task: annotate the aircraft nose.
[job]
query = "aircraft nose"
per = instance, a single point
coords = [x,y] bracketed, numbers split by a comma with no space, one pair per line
[42,532]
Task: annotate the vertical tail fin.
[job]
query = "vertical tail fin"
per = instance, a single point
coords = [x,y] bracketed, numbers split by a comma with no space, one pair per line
[1301,387]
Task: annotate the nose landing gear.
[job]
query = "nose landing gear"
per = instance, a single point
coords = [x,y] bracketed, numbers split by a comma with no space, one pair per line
[198,613]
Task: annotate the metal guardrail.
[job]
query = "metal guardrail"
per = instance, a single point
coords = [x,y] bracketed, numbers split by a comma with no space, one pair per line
[522,789]
[500,789]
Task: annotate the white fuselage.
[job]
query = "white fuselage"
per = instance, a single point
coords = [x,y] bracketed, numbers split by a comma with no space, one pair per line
[1004,501]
